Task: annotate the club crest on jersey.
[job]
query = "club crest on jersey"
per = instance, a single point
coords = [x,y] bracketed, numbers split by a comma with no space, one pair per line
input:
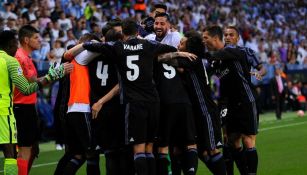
[133,47]
[223,73]
[19,71]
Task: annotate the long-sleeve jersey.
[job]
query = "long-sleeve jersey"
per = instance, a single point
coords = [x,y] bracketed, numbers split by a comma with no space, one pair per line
[11,74]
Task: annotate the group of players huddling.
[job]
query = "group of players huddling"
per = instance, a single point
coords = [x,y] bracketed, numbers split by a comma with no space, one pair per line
[146,101]
[150,97]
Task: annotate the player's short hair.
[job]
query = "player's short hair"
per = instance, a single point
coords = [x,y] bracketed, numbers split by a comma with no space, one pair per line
[234,28]
[6,37]
[88,37]
[162,6]
[130,27]
[115,22]
[112,23]
[214,31]
[163,15]
[113,35]
[194,43]
[26,31]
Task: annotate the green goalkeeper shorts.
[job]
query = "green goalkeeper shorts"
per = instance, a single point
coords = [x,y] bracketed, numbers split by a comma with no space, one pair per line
[8,130]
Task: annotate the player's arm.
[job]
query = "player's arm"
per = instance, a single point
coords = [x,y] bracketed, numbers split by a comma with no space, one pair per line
[19,80]
[26,88]
[254,61]
[227,53]
[159,48]
[178,59]
[71,53]
[98,105]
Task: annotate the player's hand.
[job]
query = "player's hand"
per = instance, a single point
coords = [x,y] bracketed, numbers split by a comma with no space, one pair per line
[68,67]
[257,75]
[188,55]
[55,73]
[95,109]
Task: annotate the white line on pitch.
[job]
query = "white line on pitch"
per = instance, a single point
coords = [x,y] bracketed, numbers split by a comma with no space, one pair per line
[283,126]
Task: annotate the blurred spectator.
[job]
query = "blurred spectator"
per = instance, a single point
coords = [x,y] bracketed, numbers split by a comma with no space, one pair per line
[278,90]
[56,53]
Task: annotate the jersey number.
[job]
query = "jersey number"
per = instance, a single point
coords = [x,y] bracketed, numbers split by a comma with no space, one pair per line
[170,71]
[102,73]
[134,73]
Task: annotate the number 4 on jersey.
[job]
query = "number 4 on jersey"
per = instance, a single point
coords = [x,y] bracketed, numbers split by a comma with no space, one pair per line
[102,73]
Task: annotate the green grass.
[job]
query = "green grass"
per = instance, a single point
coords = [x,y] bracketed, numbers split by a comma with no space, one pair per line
[281,145]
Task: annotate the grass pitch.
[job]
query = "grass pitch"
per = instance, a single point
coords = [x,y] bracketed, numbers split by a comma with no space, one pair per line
[281,145]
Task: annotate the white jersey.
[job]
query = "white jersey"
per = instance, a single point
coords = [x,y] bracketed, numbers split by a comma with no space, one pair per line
[171,38]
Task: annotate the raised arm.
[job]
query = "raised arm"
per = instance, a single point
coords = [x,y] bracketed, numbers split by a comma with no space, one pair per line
[71,53]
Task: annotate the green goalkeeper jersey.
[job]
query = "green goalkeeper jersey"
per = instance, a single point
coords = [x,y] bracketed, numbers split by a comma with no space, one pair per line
[11,74]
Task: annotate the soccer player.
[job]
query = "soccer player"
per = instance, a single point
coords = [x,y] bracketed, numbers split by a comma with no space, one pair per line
[11,73]
[24,106]
[233,69]
[233,139]
[81,141]
[205,110]
[176,115]
[104,94]
[134,58]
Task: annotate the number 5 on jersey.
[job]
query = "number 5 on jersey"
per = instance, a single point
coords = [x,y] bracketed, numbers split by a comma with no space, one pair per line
[132,74]
[102,72]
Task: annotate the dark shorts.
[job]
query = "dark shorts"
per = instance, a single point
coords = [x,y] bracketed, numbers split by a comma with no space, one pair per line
[141,122]
[109,127]
[208,129]
[242,118]
[177,126]
[80,138]
[27,124]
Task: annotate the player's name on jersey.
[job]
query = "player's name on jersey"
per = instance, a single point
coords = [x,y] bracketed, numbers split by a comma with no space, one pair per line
[135,47]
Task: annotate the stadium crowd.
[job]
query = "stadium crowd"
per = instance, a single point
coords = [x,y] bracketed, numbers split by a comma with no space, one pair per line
[266,27]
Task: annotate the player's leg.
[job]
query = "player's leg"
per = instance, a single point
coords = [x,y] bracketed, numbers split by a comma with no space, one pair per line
[8,140]
[27,135]
[152,121]
[136,120]
[251,154]
[188,138]
[237,152]
[249,136]
[75,126]
[165,128]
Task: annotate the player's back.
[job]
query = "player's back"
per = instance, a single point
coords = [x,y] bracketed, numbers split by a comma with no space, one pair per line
[136,59]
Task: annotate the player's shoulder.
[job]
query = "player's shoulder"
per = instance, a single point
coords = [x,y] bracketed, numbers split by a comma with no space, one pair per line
[247,50]
[151,36]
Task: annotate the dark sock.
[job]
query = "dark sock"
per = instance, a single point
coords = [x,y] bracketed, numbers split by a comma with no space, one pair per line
[62,164]
[251,160]
[218,164]
[92,165]
[140,164]
[176,163]
[239,158]
[191,161]
[162,164]
[126,162]
[112,159]
[73,165]
[228,159]
[206,161]
[151,164]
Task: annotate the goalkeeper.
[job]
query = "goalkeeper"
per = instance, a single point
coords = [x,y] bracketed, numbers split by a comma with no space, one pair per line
[12,74]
